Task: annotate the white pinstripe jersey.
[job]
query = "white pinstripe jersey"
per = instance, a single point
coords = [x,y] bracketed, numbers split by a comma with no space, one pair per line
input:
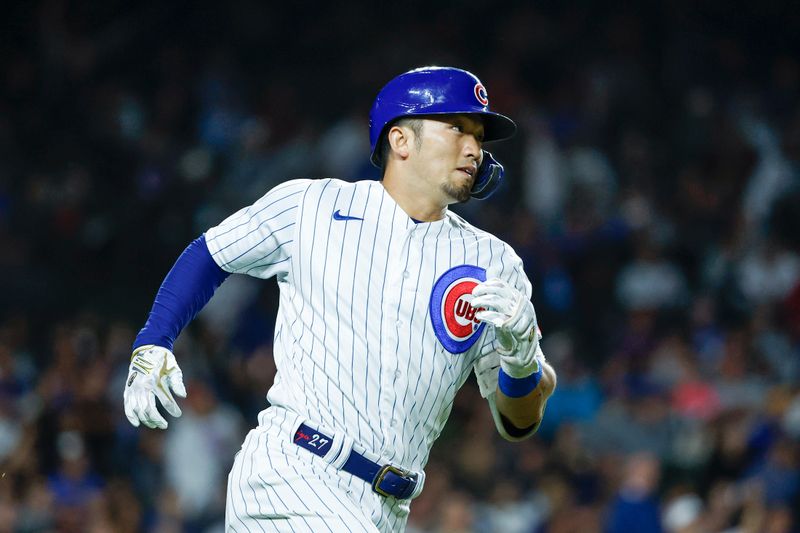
[355,344]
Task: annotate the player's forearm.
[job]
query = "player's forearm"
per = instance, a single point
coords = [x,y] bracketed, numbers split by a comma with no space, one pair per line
[528,410]
[186,289]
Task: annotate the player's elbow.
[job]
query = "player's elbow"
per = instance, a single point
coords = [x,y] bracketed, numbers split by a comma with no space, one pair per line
[515,431]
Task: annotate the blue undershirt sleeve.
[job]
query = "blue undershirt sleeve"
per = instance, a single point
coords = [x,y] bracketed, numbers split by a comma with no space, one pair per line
[188,287]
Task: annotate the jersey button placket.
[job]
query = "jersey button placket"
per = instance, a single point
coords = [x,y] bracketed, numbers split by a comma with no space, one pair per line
[396,281]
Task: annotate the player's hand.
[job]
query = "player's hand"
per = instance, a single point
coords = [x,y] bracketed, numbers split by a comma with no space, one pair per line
[514,320]
[153,373]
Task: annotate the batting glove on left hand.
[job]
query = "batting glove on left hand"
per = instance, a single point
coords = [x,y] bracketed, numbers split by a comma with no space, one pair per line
[153,373]
[514,321]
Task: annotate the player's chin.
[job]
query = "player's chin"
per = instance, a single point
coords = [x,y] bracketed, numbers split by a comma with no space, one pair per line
[459,191]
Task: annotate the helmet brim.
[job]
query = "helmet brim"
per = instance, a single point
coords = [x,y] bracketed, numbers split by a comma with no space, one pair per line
[497,127]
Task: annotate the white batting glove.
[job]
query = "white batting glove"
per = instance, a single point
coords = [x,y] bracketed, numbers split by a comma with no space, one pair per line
[514,320]
[153,373]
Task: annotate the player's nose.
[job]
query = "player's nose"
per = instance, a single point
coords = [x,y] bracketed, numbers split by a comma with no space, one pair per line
[472,147]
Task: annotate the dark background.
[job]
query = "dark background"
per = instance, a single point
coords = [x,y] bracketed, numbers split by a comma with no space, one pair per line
[653,192]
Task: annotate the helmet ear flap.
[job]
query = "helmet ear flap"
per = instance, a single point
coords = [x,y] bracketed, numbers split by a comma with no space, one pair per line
[490,176]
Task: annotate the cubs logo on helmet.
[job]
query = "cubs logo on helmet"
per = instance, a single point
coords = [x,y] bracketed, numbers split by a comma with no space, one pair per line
[480,94]
[452,315]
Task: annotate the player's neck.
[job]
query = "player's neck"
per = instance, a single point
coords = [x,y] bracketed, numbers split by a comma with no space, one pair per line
[417,204]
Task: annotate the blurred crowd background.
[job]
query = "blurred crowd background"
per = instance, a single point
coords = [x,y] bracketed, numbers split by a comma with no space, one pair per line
[653,192]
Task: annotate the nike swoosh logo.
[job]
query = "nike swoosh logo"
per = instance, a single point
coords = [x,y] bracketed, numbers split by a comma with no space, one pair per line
[338,216]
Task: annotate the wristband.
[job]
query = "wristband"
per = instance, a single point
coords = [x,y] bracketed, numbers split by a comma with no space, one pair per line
[518,387]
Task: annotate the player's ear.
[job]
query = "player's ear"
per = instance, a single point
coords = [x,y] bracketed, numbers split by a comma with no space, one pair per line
[399,140]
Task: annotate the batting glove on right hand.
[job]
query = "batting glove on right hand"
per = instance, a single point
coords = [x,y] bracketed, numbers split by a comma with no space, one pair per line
[514,321]
[153,373]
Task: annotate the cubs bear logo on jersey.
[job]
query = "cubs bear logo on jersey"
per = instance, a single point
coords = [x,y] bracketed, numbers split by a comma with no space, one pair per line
[452,314]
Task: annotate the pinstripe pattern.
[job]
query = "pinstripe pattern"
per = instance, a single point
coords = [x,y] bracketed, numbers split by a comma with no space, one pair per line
[354,345]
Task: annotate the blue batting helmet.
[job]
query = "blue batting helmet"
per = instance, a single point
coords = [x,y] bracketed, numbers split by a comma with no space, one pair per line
[434,91]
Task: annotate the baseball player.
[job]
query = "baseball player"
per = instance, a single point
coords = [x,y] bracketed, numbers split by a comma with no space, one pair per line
[388,301]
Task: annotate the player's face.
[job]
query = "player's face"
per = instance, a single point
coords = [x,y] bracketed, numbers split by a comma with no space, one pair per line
[450,154]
